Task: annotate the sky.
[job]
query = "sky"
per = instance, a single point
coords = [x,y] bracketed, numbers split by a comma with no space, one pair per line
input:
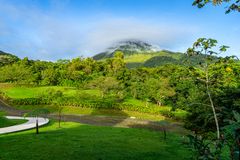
[64,29]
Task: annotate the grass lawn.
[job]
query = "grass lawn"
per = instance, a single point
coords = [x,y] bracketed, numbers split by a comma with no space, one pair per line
[76,141]
[32,92]
[4,122]
[16,92]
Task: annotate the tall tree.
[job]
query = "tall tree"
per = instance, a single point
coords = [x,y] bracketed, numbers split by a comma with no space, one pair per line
[206,47]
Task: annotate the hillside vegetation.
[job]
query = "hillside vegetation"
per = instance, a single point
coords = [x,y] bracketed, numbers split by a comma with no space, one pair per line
[7,58]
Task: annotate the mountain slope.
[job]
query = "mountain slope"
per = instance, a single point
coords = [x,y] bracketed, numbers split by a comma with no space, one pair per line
[141,54]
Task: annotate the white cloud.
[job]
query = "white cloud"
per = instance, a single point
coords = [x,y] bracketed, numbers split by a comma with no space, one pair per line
[113,30]
[51,35]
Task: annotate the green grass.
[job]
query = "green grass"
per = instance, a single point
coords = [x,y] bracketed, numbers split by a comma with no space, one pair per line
[138,58]
[76,141]
[16,92]
[26,92]
[4,122]
[143,57]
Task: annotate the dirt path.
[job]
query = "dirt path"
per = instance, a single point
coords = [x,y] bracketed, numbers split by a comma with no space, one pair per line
[115,121]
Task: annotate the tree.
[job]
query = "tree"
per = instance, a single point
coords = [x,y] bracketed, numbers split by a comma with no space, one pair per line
[37,113]
[233,7]
[105,84]
[57,101]
[17,72]
[206,47]
[159,90]
[116,64]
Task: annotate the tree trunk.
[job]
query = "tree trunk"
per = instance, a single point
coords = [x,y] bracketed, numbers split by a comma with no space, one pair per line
[215,115]
[37,126]
[59,119]
[164,134]
[211,102]
[159,103]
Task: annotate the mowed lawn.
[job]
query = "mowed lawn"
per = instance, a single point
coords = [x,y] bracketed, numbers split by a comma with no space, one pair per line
[4,122]
[32,92]
[77,141]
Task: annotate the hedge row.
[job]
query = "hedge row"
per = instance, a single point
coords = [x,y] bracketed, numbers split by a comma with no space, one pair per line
[97,104]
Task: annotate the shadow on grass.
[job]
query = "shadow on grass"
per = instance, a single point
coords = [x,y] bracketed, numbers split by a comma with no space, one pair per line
[161,126]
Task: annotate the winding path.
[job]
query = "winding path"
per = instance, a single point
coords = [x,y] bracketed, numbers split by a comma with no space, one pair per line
[25,126]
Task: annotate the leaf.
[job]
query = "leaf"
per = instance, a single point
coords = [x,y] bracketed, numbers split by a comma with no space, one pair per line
[224,48]
[236,116]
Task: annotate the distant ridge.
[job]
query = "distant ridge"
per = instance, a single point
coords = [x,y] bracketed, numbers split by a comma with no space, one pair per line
[142,54]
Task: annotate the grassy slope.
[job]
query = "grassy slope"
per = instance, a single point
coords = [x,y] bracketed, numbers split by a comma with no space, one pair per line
[25,92]
[32,92]
[141,58]
[76,141]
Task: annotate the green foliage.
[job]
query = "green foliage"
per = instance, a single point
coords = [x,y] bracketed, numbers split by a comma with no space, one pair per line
[207,76]
[203,149]
[160,60]
[216,78]
[37,112]
[105,84]
[235,6]
[6,58]
[232,135]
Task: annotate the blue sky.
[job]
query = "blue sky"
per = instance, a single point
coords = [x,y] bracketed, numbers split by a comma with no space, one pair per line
[54,29]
